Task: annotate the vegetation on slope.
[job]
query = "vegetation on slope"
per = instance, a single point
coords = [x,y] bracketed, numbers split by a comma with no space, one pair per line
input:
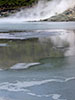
[11,4]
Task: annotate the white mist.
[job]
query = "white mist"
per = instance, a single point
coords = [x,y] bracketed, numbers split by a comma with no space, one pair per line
[43,10]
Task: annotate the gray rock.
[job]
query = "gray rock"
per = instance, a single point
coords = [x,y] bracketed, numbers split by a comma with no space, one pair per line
[68,15]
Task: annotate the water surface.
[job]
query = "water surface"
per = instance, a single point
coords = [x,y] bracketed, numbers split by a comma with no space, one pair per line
[37,63]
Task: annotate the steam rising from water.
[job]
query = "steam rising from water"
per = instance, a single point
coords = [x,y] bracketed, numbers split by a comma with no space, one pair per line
[43,10]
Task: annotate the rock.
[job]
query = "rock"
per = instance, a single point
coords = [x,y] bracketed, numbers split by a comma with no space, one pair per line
[5,13]
[68,15]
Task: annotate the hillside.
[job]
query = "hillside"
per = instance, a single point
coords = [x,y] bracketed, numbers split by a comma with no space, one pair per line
[8,7]
[12,4]
[68,15]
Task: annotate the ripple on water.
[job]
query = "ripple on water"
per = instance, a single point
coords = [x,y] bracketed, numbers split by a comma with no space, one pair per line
[20,86]
[53,96]
[24,65]
[4,98]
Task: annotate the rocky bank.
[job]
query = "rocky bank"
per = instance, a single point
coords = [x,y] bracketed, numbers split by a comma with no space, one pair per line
[68,15]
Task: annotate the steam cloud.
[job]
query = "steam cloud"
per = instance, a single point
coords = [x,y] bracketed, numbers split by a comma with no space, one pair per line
[43,10]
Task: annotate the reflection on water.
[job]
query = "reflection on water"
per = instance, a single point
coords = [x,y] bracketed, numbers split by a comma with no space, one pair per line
[31,50]
[39,66]
[35,46]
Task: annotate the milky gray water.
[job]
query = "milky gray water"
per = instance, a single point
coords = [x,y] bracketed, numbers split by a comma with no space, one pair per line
[22,26]
[37,61]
